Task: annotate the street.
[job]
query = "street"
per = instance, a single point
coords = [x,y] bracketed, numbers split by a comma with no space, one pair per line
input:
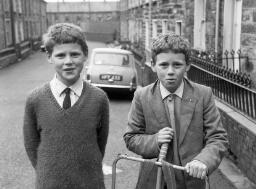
[16,172]
[16,82]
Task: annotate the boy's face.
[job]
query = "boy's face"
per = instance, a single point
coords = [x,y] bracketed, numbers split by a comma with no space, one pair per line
[68,60]
[170,68]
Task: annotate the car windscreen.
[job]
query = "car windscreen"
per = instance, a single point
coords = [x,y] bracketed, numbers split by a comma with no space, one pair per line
[114,59]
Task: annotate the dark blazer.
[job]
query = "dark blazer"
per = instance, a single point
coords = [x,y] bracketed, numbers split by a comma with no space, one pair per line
[202,136]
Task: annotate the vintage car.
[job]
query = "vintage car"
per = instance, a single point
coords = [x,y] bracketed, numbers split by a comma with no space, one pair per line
[112,68]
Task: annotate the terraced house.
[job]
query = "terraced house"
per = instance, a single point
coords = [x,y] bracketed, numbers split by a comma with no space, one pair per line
[223,28]
[21,25]
[99,19]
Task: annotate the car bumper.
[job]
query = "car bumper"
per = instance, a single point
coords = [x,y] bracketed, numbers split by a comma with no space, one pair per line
[130,87]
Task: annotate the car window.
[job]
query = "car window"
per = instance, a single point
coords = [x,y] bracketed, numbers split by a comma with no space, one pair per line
[113,59]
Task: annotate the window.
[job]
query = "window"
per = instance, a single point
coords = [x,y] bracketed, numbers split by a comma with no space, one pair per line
[56,18]
[26,30]
[164,26]
[170,26]
[14,5]
[66,18]
[6,6]
[30,28]
[19,4]
[178,28]
[159,27]
[154,29]
[140,30]
[8,30]
[21,31]
[132,30]
[113,59]
[17,38]
[147,35]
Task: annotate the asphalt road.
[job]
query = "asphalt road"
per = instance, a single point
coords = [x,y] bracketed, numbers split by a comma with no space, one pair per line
[16,81]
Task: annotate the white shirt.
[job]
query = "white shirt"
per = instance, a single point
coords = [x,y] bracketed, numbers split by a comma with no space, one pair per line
[179,91]
[57,88]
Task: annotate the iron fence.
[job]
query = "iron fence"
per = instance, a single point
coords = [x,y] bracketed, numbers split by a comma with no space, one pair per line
[213,64]
[232,60]
[228,85]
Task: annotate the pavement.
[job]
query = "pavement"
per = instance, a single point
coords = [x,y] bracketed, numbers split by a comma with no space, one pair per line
[233,175]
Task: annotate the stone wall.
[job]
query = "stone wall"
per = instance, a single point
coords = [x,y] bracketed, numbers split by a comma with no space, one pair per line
[210,25]
[242,138]
[189,22]
[248,37]
[7,60]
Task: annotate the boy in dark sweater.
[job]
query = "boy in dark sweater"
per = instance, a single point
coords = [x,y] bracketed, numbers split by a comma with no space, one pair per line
[66,120]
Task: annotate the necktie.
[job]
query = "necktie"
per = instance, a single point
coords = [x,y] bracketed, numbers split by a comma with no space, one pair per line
[67,101]
[173,111]
[170,98]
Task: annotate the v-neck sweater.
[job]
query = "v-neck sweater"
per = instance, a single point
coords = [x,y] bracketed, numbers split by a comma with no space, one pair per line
[66,147]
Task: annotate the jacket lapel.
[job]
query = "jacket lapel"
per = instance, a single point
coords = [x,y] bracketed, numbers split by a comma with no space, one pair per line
[187,108]
[158,106]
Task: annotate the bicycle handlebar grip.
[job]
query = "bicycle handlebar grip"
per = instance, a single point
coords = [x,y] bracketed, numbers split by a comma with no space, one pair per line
[163,152]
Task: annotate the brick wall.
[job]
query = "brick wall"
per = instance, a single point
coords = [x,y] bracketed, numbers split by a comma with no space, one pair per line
[248,37]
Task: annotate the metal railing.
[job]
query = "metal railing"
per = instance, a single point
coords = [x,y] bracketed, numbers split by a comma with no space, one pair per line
[229,59]
[218,72]
[228,85]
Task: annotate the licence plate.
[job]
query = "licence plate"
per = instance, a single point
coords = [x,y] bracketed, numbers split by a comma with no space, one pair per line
[109,76]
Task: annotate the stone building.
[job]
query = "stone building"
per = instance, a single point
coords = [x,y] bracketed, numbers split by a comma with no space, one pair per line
[21,27]
[217,26]
[100,20]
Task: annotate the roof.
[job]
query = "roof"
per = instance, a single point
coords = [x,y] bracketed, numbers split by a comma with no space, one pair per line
[82,6]
[112,50]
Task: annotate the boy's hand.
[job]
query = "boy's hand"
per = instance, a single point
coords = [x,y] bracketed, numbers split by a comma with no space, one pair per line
[165,135]
[196,169]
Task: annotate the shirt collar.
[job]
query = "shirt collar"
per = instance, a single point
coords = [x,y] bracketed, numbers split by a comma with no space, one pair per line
[164,92]
[77,87]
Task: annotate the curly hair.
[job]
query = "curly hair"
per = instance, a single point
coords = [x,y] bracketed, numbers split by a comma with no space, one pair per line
[64,33]
[170,42]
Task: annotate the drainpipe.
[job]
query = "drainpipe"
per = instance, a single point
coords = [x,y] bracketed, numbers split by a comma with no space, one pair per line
[217,25]
[150,21]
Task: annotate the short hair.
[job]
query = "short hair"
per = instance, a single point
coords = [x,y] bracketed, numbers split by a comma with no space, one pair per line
[62,33]
[170,42]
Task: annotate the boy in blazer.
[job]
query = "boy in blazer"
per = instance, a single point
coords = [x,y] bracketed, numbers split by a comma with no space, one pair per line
[66,120]
[177,111]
